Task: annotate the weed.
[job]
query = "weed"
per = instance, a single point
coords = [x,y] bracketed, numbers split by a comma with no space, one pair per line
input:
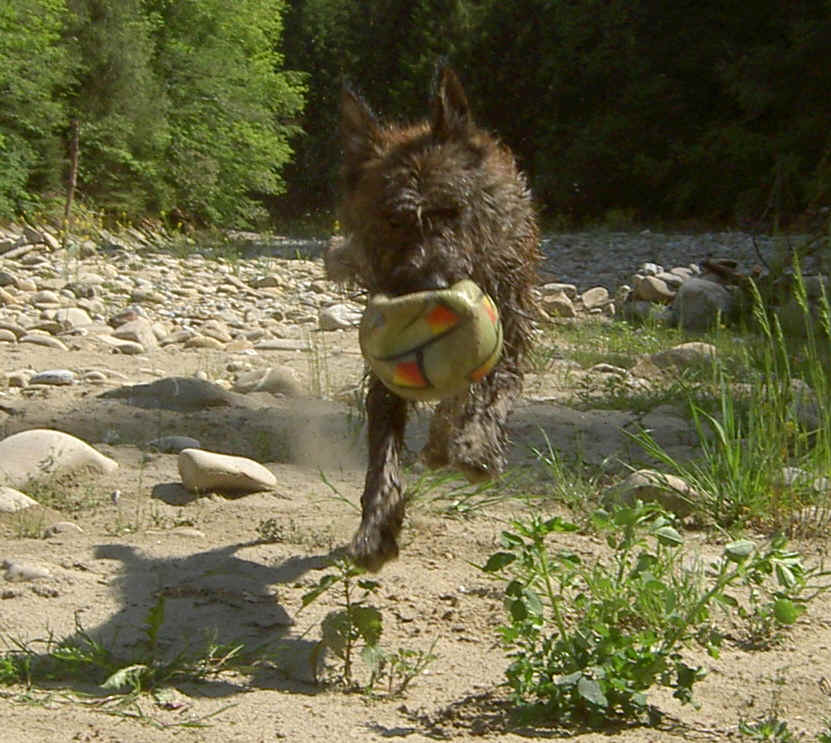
[84,658]
[357,624]
[588,640]
[342,630]
[746,442]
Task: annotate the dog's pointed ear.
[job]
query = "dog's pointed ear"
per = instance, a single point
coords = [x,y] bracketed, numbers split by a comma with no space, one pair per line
[451,113]
[360,132]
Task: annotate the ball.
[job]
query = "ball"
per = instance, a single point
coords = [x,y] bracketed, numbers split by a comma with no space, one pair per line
[431,345]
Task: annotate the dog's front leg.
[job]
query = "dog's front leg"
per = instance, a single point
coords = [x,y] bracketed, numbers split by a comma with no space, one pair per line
[479,439]
[382,503]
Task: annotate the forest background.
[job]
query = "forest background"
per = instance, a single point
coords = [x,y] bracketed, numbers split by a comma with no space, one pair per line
[225,113]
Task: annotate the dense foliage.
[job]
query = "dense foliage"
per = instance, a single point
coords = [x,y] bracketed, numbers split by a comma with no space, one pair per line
[709,110]
[184,106]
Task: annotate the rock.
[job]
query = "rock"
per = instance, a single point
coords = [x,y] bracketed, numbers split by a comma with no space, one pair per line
[652,289]
[22,571]
[62,528]
[282,344]
[41,339]
[176,393]
[339,317]
[205,471]
[173,444]
[558,305]
[12,500]
[553,288]
[39,453]
[279,380]
[139,330]
[54,377]
[595,298]
[204,341]
[72,318]
[651,486]
[684,355]
[699,303]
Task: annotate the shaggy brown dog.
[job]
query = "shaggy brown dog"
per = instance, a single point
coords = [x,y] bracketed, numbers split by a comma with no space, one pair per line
[423,207]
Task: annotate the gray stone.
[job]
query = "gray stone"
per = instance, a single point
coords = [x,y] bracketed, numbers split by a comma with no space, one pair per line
[173,444]
[339,317]
[54,377]
[177,393]
[651,486]
[22,571]
[699,303]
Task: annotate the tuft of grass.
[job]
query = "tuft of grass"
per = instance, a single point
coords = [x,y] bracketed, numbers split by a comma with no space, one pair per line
[754,430]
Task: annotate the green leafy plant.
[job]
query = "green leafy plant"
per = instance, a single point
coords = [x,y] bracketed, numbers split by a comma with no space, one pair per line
[588,640]
[358,625]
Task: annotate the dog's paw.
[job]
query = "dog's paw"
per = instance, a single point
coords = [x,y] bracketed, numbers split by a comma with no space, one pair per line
[477,458]
[372,548]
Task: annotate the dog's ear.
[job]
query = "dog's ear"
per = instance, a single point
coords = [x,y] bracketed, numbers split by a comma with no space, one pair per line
[360,132]
[451,113]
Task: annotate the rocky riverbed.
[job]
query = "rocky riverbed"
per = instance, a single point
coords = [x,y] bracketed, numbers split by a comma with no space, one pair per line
[150,350]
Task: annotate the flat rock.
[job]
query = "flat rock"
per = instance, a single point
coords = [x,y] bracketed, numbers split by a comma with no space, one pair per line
[203,471]
[176,393]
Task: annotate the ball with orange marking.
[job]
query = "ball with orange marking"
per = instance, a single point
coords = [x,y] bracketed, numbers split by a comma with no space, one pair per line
[431,345]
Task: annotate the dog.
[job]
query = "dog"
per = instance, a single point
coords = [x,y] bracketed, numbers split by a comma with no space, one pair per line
[422,207]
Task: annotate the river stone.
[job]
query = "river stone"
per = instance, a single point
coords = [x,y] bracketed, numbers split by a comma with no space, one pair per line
[173,444]
[21,571]
[54,377]
[203,471]
[278,380]
[699,303]
[72,317]
[37,453]
[652,289]
[651,486]
[558,305]
[139,330]
[684,355]
[176,393]
[41,339]
[595,298]
[339,317]
[12,500]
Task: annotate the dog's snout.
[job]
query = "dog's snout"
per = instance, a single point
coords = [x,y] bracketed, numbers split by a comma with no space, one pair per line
[410,281]
[430,282]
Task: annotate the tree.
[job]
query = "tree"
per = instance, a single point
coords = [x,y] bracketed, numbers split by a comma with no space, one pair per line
[232,106]
[32,69]
[118,101]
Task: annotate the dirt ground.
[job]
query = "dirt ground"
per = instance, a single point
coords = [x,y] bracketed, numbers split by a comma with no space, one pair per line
[205,556]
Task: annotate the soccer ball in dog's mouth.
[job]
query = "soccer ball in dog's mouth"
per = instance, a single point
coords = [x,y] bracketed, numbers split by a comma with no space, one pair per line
[433,344]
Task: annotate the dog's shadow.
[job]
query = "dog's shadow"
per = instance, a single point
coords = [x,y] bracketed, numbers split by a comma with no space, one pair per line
[204,604]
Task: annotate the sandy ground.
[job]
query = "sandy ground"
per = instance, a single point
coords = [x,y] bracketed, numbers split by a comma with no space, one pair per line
[220,581]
